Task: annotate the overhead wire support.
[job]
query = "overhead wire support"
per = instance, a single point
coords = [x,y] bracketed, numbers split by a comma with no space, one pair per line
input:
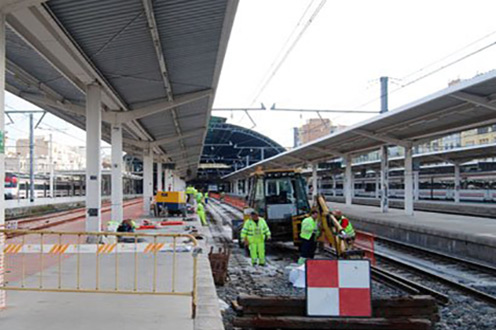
[273,108]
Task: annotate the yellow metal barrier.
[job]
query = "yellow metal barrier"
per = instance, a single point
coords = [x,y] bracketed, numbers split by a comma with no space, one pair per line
[31,247]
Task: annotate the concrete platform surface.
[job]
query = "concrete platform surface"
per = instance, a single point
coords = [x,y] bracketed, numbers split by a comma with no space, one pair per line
[485,210]
[78,311]
[465,236]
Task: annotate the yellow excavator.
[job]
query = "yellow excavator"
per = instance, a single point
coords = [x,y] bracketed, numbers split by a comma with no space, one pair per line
[280,197]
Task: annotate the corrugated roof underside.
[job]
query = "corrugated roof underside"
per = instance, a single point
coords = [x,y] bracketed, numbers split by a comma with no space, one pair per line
[23,56]
[123,50]
[190,35]
[191,116]
[114,35]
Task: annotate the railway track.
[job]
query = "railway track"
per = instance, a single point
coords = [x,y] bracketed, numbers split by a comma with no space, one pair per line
[218,221]
[469,277]
[381,275]
[395,278]
[55,219]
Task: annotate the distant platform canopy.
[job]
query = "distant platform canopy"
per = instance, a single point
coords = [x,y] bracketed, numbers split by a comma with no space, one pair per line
[230,147]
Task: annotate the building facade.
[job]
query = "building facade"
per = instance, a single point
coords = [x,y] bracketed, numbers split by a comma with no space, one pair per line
[64,157]
[315,128]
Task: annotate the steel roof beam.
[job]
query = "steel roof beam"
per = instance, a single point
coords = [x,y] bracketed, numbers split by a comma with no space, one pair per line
[9,6]
[152,26]
[76,67]
[332,153]
[382,138]
[166,140]
[124,117]
[475,99]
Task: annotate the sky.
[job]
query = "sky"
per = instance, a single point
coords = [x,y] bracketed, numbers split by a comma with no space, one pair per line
[337,62]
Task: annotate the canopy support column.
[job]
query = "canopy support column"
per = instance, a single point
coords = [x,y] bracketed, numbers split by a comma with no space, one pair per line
[314,182]
[2,157]
[93,158]
[159,177]
[334,186]
[348,181]
[377,184]
[408,176]
[416,186]
[117,189]
[147,180]
[457,182]
[384,179]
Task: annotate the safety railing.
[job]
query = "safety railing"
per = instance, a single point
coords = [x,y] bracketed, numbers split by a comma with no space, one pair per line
[118,263]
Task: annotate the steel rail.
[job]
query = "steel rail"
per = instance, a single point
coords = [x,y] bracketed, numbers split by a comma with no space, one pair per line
[430,252]
[450,282]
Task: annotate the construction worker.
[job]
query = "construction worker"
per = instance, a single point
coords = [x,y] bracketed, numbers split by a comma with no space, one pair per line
[127,226]
[112,225]
[222,196]
[199,197]
[200,210]
[348,233]
[254,234]
[308,235]
[190,192]
[205,197]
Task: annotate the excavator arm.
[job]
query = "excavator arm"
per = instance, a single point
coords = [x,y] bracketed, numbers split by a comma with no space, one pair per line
[330,227]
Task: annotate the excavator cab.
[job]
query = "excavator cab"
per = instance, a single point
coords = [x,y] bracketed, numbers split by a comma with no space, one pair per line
[280,197]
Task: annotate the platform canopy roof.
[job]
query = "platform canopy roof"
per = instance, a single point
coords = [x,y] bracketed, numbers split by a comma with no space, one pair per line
[468,104]
[456,155]
[157,61]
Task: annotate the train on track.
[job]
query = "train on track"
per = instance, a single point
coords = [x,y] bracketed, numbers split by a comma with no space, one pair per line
[475,187]
[17,186]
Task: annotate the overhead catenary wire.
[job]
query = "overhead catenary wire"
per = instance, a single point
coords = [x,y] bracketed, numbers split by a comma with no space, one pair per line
[289,50]
[448,56]
[288,39]
[430,73]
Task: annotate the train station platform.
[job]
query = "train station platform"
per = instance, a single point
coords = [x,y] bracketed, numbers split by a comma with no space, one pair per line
[463,236]
[479,209]
[111,311]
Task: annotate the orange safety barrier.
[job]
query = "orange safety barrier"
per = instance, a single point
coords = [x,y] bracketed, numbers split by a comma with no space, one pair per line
[214,195]
[238,203]
[365,241]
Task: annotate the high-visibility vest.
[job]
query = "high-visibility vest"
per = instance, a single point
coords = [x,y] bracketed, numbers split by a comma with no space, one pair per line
[200,208]
[206,195]
[255,232]
[308,228]
[112,225]
[349,229]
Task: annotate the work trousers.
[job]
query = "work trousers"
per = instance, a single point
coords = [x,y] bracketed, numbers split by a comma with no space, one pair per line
[203,218]
[257,252]
[308,247]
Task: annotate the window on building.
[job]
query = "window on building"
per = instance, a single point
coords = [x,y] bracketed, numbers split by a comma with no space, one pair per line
[482,130]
